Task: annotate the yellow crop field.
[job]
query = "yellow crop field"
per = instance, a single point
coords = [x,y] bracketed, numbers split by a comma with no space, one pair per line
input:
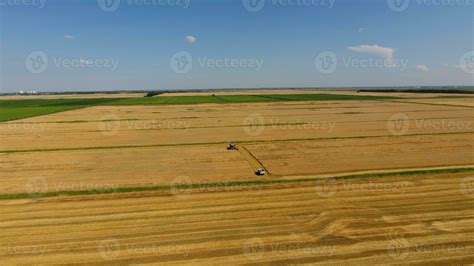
[344,181]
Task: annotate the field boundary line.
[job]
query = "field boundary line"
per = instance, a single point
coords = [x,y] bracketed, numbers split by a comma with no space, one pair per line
[214,186]
[369,172]
[225,142]
[436,104]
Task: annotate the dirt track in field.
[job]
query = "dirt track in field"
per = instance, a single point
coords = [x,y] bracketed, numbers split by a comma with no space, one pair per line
[405,219]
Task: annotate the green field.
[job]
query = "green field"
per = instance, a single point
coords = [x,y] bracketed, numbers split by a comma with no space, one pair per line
[241,99]
[19,109]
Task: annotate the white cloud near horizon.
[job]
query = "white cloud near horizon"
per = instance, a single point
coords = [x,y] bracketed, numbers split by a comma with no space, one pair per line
[423,68]
[190,39]
[69,37]
[384,52]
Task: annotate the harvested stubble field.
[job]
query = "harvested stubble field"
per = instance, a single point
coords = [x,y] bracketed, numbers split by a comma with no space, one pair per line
[145,181]
[396,219]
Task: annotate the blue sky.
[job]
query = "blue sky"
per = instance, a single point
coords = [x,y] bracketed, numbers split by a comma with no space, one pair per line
[138,44]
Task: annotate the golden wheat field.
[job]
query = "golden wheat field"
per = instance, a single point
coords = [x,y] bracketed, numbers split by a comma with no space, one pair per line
[353,181]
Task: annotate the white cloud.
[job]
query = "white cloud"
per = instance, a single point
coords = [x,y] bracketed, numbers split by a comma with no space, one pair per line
[360,30]
[376,50]
[69,37]
[190,39]
[423,68]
